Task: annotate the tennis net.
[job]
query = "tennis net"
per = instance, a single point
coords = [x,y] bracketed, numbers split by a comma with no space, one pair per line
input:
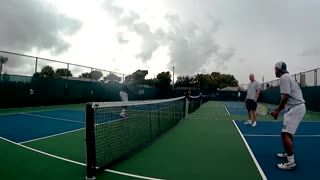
[111,138]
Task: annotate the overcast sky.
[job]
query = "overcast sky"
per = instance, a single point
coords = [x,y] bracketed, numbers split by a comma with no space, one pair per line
[235,37]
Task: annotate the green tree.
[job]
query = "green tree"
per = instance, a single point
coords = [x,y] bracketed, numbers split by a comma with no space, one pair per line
[46,72]
[224,80]
[63,72]
[112,78]
[207,82]
[164,80]
[92,75]
[184,81]
[138,77]
[85,75]
[96,74]
[3,60]
[128,79]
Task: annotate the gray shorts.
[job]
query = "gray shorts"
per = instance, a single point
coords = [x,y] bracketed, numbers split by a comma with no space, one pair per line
[292,118]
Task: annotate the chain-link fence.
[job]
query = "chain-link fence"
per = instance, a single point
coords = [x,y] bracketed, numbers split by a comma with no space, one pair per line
[305,79]
[32,81]
[25,65]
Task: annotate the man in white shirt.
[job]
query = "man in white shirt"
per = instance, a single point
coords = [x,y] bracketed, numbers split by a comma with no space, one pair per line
[292,101]
[251,100]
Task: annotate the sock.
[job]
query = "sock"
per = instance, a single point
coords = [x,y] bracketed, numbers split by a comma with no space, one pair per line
[291,158]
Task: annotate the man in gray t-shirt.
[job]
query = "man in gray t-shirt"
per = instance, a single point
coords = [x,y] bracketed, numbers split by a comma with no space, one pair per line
[251,100]
[292,101]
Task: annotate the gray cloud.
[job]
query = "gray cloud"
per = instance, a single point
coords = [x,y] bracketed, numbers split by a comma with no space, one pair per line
[130,20]
[113,10]
[191,46]
[311,52]
[121,39]
[149,42]
[33,24]
[224,55]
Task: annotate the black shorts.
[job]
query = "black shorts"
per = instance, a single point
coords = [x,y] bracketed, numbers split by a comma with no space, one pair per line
[251,105]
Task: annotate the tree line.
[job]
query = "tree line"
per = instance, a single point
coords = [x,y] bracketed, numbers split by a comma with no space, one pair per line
[206,83]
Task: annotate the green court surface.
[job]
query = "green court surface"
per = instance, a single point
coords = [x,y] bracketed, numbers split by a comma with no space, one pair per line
[204,145]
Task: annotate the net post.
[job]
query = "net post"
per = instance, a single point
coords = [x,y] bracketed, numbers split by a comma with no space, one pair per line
[90,142]
[185,107]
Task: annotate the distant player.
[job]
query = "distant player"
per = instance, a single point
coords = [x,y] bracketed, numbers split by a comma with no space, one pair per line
[251,100]
[124,90]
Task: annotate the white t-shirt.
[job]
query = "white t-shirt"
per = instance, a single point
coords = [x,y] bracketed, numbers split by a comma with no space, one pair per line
[289,86]
[253,87]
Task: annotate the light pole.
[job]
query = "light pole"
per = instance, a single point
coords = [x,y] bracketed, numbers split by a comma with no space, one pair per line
[173,77]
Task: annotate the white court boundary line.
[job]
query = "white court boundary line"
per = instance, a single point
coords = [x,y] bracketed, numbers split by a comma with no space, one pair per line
[226,109]
[264,177]
[47,117]
[36,111]
[274,135]
[46,137]
[79,163]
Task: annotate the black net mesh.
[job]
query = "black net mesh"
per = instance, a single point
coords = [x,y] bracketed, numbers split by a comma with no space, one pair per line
[117,136]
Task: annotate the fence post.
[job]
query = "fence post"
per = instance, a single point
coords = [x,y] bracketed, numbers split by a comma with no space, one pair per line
[315,77]
[35,69]
[300,78]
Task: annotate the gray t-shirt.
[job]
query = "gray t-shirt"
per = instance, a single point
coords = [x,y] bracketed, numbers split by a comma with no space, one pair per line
[253,87]
[289,86]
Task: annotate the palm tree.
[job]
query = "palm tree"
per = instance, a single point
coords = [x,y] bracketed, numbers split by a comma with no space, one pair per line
[3,60]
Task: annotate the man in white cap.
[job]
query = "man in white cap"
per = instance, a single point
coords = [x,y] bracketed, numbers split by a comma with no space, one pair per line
[292,101]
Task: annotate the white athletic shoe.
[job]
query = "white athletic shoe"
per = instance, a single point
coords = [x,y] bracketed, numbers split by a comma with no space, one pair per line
[123,114]
[254,124]
[282,155]
[287,165]
[248,122]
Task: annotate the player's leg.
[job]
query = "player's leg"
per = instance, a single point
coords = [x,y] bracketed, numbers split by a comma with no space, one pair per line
[248,107]
[291,123]
[254,113]
[124,98]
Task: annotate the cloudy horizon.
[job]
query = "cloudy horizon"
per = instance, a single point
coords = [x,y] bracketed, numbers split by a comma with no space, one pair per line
[195,37]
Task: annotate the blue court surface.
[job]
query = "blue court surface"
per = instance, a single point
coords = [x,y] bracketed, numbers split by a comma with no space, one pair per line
[265,142]
[29,126]
[239,108]
[24,127]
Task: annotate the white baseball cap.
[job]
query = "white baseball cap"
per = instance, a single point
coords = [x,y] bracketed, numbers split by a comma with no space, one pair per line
[282,66]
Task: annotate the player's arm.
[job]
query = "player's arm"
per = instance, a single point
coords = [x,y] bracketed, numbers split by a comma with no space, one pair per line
[257,95]
[130,91]
[283,102]
[285,91]
[257,92]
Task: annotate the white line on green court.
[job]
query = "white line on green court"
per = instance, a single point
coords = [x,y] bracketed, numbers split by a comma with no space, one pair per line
[26,112]
[46,137]
[79,163]
[60,119]
[274,135]
[227,110]
[264,177]
[68,105]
